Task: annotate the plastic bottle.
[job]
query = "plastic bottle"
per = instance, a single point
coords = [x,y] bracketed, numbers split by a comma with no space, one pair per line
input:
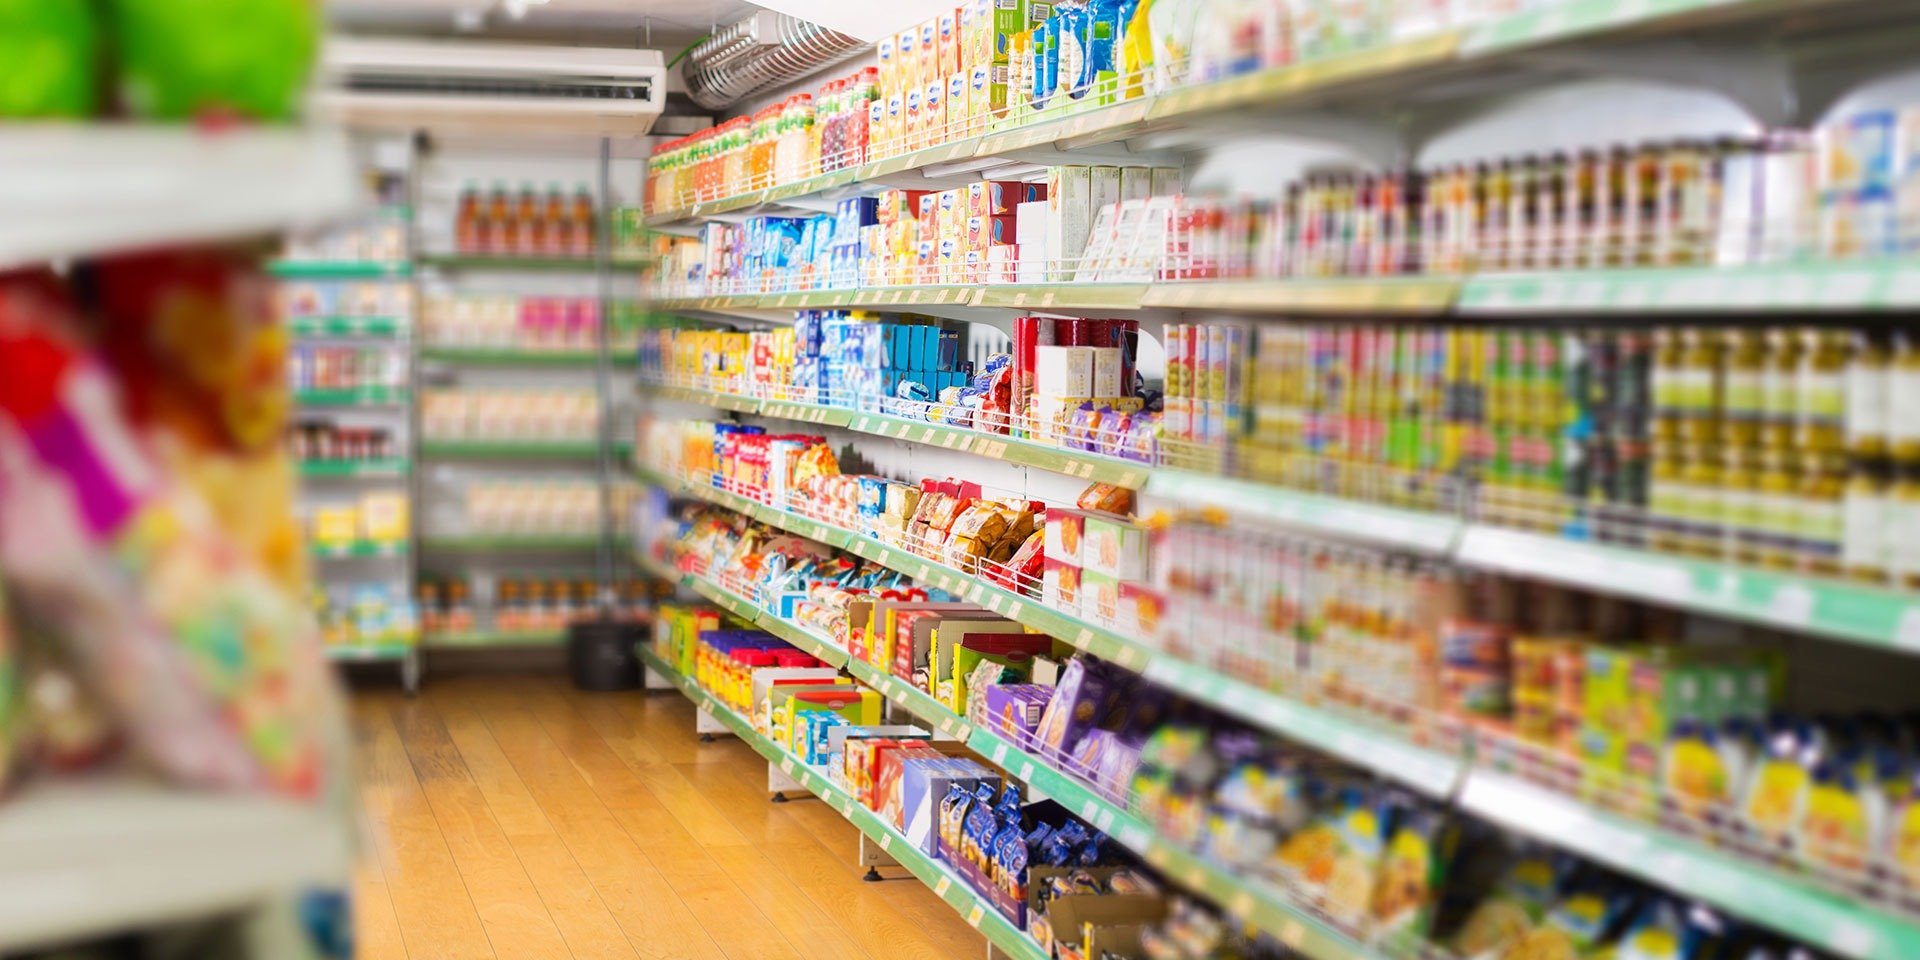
[466,220]
[533,228]
[1867,404]
[582,235]
[505,236]
[557,229]
[1864,512]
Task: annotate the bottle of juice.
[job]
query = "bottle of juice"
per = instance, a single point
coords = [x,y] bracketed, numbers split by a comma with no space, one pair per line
[1868,407]
[1740,501]
[1823,388]
[1745,380]
[506,231]
[1865,509]
[1822,516]
[533,233]
[558,229]
[1774,529]
[1668,500]
[1903,399]
[467,221]
[1780,400]
[1699,389]
[583,232]
[1703,479]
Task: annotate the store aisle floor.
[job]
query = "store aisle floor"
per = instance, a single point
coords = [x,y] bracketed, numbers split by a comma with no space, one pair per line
[513,817]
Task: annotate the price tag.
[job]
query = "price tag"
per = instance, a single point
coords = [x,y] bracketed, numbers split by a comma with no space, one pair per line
[786,766]
[1084,637]
[1026,772]
[975,915]
[1000,754]
[940,889]
[1292,933]
[886,841]
[1242,904]
[1013,612]
[926,435]
[1089,810]
[994,602]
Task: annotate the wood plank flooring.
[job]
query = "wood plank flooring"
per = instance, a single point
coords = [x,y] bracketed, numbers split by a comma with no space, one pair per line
[513,817]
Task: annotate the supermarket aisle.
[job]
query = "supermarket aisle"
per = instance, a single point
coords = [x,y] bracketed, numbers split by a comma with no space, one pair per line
[512,817]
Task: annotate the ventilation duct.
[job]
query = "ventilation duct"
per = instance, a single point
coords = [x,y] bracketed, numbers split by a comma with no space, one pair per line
[765,50]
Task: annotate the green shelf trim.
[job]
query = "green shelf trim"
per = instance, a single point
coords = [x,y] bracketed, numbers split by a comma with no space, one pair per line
[1780,900]
[1838,923]
[353,468]
[1856,285]
[1858,613]
[515,450]
[497,638]
[509,357]
[945,883]
[368,653]
[356,550]
[1253,902]
[346,326]
[511,263]
[353,397]
[338,270]
[498,544]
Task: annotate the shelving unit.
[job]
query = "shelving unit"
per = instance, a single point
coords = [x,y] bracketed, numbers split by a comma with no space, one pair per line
[1777,899]
[945,883]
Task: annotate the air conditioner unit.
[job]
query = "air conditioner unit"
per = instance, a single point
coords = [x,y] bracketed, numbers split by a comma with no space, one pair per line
[492,87]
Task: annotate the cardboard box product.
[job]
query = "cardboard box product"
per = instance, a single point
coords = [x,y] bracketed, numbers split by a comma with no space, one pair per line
[1017,707]
[1012,653]
[1106,372]
[924,784]
[1069,217]
[948,635]
[1064,371]
[1116,548]
[887,799]
[1099,598]
[1065,534]
[1060,585]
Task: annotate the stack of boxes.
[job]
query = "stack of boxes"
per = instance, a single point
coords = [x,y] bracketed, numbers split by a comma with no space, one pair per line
[1062,364]
[1207,392]
[1096,569]
[947,77]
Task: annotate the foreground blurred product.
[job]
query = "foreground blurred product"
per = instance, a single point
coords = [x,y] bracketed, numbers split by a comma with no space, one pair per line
[210,667]
[48,47]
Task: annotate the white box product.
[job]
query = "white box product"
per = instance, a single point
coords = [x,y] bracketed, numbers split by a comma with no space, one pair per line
[1106,371]
[1031,228]
[1167,181]
[1064,371]
[1136,183]
[1069,217]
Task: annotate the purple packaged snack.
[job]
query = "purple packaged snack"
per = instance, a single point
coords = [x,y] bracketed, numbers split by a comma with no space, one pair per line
[1017,708]
[1080,700]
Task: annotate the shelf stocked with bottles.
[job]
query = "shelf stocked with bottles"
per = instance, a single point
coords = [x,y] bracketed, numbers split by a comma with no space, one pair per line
[1478,781]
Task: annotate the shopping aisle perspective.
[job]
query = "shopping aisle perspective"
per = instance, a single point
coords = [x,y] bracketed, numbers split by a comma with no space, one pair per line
[514,817]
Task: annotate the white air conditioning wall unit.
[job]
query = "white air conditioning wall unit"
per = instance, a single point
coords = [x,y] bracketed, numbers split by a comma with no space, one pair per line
[388,84]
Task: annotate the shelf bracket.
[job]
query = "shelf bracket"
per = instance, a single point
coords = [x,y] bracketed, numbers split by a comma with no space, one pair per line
[1760,80]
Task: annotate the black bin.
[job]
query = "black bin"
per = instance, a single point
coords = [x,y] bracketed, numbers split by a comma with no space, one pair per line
[600,655]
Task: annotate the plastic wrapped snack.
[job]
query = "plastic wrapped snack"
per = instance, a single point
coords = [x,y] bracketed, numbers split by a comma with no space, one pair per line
[213,669]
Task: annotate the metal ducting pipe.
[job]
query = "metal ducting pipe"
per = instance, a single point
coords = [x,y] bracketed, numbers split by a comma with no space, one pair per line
[765,50]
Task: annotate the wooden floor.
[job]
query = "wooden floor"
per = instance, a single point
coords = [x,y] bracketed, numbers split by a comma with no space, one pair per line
[513,817]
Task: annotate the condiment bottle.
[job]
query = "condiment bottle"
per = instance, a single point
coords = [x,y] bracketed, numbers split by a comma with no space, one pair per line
[1746,366]
[1868,406]
[1822,522]
[1865,509]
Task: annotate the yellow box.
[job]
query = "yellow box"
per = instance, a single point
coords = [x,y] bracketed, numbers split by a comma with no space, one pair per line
[336,526]
[384,517]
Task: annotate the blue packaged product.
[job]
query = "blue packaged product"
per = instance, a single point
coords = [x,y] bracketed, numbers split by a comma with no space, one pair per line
[913,391]
[1072,38]
[1046,63]
[980,827]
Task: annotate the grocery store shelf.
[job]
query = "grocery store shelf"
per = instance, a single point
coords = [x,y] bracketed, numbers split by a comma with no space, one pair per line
[1253,902]
[463,262]
[339,269]
[81,189]
[1838,923]
[358,550]
[1849,285]
[1859,613]
[317,327]
[508,543]
[369,653]
[497,638]
[1372,295]
[83,857]
[512,450]
[353,397]
[945,883]
[1333,516]
[395,467]
[518,357]
[1382,73]
[1777,899]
